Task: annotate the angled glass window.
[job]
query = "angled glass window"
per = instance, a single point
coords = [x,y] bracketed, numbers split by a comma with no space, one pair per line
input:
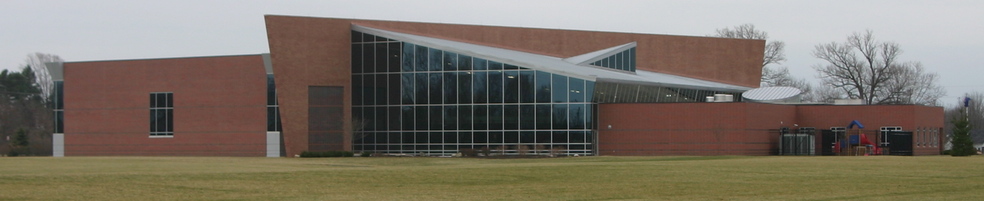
[406,63]
[394,52]
[368,58]
[381,57]
[480,64]
[450,61]
[494,65]
[418,99]
[624,60]
[421,57]
[464,62]
[357,58]
[435,60]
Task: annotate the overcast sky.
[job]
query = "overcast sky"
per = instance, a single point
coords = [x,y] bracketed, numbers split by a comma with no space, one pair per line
[946,36]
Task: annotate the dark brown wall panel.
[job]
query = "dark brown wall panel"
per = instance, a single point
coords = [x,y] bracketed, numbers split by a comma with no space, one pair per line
[325,119]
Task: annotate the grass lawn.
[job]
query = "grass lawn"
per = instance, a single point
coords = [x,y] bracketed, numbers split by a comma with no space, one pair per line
[583,178]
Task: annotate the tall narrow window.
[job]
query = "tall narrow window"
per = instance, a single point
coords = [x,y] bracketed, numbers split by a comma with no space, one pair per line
[161,114]
[273,108]
[59,106]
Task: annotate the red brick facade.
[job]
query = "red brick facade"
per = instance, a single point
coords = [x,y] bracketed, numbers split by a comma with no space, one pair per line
[746,128]
[219,106]
[309,51]
[220,102]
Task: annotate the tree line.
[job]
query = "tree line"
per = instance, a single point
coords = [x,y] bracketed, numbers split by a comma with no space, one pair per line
[26,116]
[861,67]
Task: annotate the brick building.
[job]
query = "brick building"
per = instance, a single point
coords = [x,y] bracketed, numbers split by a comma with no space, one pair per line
[434,89]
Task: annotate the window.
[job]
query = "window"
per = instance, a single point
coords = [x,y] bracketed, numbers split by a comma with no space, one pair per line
[883,139]
[433,101]
[161,114]
[59,106]
[839,133]
[624,60]
[273,108]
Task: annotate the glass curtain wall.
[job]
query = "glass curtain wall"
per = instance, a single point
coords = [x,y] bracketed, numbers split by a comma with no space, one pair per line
[413,99]
[624,60]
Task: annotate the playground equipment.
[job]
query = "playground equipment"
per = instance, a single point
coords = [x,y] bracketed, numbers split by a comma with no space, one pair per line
[859,143]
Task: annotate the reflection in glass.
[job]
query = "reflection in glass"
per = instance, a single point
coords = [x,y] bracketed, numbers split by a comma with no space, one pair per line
[495,87]
[495,117]
[526,86]
[511,87]
[576,90]
[450,88]
[464,87]
[559,116]
[559,88]
[480,87]
[435,59]
[406,64]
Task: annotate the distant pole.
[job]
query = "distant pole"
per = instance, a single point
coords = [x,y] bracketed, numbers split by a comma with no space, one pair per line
[966,101]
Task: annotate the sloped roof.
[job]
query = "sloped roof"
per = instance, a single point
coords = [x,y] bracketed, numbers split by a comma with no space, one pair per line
[574,66]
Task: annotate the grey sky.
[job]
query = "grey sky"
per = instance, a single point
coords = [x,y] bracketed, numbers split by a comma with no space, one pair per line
[944,35]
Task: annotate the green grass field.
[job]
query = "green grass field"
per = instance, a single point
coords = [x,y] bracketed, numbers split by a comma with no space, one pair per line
[583,178]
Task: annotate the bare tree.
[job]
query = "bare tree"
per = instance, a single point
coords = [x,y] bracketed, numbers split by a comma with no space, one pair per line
[779,76]
[824,94]
[36,61]
[773,49]
[911,85]
[866,69]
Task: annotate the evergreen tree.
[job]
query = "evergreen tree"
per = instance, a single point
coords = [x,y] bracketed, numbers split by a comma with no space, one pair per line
[19,143]
[962,144]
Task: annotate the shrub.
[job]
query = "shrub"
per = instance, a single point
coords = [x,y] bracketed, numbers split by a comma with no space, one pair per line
[365,154]
[468,152]
[522,149]
[319,154]
[556,151]
[539,149]
[486,151]
[501,149]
